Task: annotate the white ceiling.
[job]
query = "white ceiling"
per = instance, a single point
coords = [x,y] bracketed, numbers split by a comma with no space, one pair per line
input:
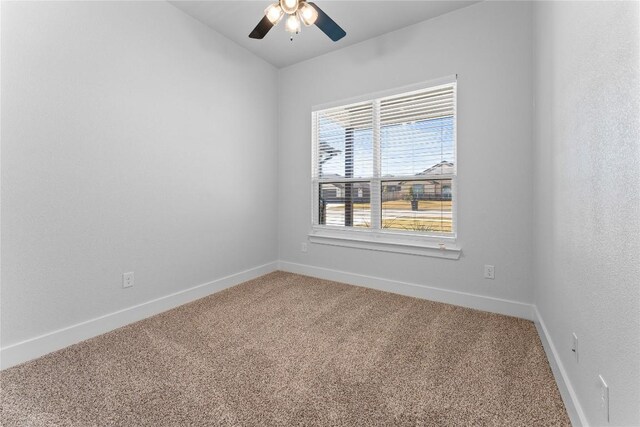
[361,19]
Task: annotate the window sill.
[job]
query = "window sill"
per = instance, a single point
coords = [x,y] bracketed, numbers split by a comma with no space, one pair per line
[412,245]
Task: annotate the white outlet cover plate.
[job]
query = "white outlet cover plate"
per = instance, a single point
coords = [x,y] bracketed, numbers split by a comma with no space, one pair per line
[489,272]
[127,280]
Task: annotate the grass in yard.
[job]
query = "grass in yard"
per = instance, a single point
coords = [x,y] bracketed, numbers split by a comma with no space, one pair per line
[414,224]
[425,222]
[417,224]
[422,205]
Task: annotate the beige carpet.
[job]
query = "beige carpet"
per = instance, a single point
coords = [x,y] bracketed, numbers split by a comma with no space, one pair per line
[287,349]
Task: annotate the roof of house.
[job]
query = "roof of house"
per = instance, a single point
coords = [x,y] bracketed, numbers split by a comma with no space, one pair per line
[441,168]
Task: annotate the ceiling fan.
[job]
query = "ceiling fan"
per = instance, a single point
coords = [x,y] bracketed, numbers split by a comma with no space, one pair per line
[296,10]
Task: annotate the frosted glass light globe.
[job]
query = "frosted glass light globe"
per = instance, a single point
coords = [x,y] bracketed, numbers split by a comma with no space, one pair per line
[289,6]
[308,14]
[274,13]
[293,24]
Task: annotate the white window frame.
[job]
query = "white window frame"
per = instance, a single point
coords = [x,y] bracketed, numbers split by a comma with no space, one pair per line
[441,245]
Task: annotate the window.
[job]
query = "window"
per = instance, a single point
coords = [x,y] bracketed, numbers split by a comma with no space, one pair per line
[384,172]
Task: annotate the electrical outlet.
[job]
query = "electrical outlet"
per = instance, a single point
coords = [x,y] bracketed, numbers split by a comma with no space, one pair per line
[303,246]
[604,398]
[574,346]
[127,280]
[489,272]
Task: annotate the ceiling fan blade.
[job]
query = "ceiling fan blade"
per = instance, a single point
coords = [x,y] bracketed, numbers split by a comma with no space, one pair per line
[328,25]
[261,29]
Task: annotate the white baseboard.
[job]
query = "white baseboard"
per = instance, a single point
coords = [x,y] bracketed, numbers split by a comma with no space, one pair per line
[478,302]
[569,397]
[32,348]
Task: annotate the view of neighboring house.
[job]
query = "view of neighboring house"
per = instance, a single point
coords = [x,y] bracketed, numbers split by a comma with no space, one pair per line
[430,189]
[442,168]
[335,191]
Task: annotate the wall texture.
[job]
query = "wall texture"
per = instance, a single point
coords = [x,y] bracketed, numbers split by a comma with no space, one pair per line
[489,46]
[587,196]
[134,138]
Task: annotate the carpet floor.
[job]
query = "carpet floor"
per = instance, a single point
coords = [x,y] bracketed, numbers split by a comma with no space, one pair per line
[286,349]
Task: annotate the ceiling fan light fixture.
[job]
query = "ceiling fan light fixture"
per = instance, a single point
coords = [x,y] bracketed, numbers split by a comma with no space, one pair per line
[297,11]
[293,24]
[308,14]
[274,13]
[289,6]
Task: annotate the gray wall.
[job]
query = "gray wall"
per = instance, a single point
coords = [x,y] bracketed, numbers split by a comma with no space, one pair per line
[489,46]
[587,198]
[125,147]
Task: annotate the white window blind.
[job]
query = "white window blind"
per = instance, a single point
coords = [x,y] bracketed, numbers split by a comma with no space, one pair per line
[387,165]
